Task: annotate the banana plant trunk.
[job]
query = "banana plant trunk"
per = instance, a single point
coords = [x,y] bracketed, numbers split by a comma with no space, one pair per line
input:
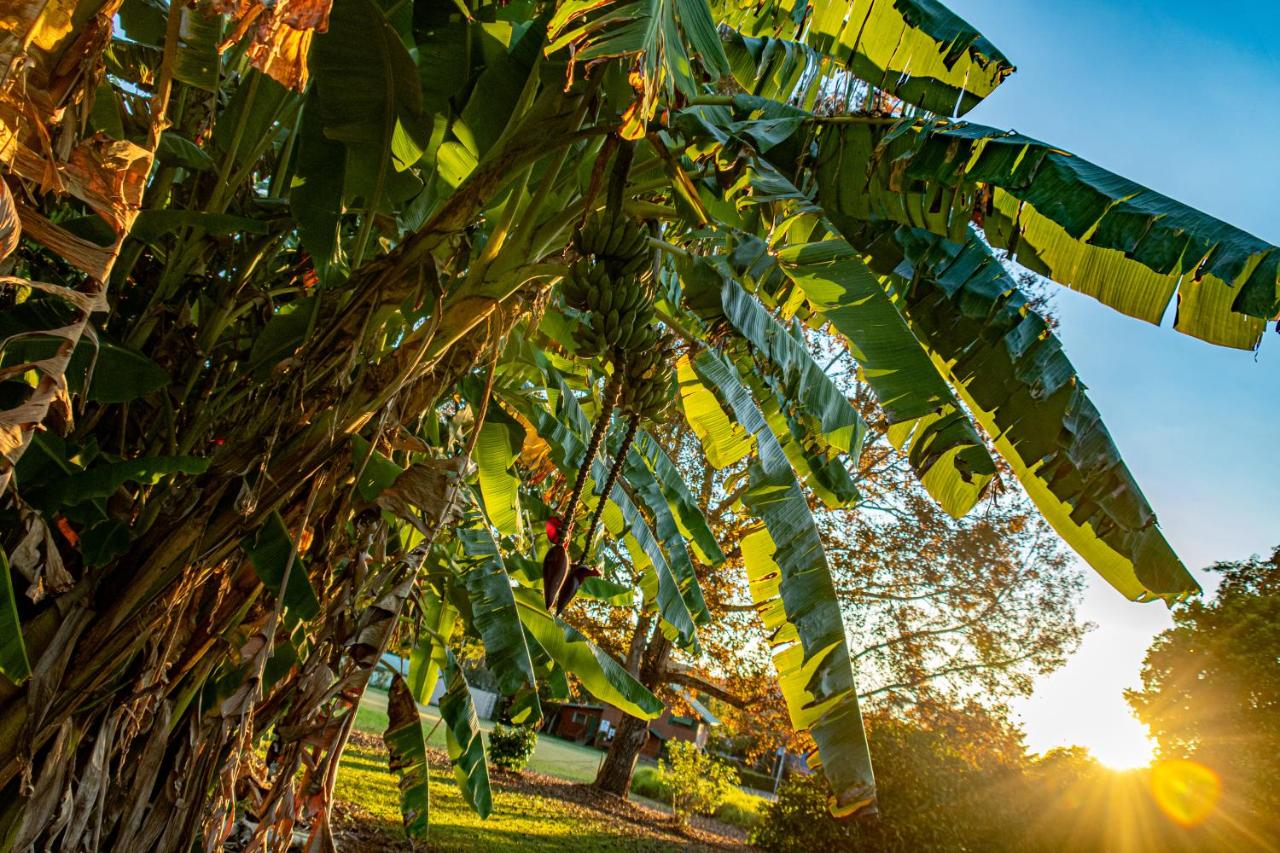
[111,743]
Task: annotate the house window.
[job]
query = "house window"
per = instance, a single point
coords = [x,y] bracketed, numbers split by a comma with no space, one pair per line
[687,722]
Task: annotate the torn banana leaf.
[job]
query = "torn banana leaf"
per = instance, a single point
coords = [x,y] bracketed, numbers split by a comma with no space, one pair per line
[926,420]
[568,444]
[778,69]
[1013,375]
[463,740]
[800,378]
[793,591]
[693,524]
[824,474]
[646,489]
[408,756]
[495,618]
[654,31]
[724,442]
[1058,215]
[942,445]
[917,50]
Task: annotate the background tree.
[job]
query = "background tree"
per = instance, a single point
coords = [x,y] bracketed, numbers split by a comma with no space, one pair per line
[951,783]
[1211,686]
[943,610]
[960,779]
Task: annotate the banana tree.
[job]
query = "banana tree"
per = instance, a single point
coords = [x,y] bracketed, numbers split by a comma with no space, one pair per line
[376,355]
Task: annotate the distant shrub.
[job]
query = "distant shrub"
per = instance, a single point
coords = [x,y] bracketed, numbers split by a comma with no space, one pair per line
[511,746]
[798,820]
[698,782]
[648,782]
[740,809]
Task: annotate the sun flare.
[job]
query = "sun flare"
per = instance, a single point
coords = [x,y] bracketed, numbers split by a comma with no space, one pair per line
[1119,752]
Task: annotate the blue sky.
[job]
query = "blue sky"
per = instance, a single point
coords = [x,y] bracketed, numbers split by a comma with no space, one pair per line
[1180,96]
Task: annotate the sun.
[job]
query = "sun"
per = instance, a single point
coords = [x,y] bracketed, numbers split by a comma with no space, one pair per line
[1122,748]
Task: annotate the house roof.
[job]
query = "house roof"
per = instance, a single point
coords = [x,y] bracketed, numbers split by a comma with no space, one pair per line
[586,706]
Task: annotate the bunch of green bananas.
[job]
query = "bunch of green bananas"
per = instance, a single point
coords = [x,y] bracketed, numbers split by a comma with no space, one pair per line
[646,381]
[618,308]
[618,243]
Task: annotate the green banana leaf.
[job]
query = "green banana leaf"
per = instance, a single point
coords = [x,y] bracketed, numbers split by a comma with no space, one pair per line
[176,150]
[607,591]
[684,506]
[1014,377]
[654,30]
[553,681]
[1060,216]
[495,453]
[463,740]
[801,378]
[102,481]
[250,117]
[510,56]
[408,757]
[495,617]
[315,194]
[152,225]
[369,98]
[426,660]
[376,472]
[917,50]
[793,591]
[14,664]
[270,550]
[942,445]
[599,674]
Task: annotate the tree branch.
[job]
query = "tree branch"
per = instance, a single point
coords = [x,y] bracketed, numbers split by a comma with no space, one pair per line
[971,667]
[693,682]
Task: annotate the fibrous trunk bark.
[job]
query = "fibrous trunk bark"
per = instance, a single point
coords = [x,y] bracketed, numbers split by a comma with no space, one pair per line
[118,725]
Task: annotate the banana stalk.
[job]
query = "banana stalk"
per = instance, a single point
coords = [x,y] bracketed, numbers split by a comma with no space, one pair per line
[632,426]
[611,393]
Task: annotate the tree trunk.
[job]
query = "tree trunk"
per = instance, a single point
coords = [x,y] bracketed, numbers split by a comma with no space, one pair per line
[615,774]
[619,765]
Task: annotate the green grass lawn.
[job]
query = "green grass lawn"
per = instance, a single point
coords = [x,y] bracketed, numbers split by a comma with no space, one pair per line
[523,821]
[553,756]
[527,814]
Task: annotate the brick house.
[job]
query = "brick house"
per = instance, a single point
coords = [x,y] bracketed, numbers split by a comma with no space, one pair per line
[595,724]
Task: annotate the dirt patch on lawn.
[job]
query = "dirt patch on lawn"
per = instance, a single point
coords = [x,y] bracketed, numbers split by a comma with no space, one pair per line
[358,832]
